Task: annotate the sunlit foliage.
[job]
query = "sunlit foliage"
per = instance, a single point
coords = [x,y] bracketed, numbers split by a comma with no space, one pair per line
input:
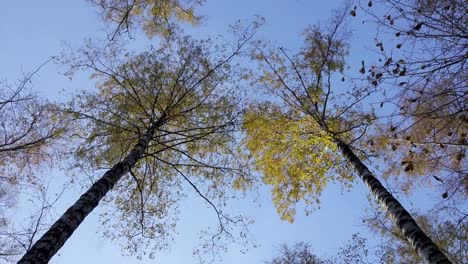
[295,156]
[292,139]
[155,17]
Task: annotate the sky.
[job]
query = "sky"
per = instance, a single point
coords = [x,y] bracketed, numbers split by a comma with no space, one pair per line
[33,31]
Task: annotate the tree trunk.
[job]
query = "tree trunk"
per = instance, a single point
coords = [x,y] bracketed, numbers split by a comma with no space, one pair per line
[423,245]
[46,247]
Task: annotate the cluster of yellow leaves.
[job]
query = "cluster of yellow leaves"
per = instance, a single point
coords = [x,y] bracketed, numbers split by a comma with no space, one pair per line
[159,12]
[155,16]
[295,156]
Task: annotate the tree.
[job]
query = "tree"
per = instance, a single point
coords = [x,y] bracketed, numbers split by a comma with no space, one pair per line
[422,73]
[450,236]
[426,39]
[299,253]
[165,117]
[18,233]
[31,133]
[29,127]
[303,85]
[356,251]
[156,17]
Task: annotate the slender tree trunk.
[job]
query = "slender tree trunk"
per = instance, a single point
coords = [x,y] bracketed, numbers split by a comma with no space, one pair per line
[46,247]
[423,245]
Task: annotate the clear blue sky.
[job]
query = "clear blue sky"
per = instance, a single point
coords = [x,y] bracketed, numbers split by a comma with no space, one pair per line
[32,31]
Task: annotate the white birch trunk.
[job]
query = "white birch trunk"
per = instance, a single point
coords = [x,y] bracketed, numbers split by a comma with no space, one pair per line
[46,247]
[420,242]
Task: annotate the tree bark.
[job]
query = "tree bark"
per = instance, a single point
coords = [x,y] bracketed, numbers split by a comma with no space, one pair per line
[46,247]
[420,242]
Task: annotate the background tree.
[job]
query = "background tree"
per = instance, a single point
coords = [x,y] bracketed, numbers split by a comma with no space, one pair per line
[165,117]
[392,249]
[451,239]
[299,253]
[303,85]
[28,127]
[31,133]
[355,251]
[422,74]
[155,17]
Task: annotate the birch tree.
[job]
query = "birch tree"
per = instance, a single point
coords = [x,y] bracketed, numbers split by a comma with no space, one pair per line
[159,119]
[421,76]
[451,239]
[423,50]
[322,129]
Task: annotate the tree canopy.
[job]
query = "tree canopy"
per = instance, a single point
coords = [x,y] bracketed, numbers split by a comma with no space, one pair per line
[155,17]
[185,117]
[186,84]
